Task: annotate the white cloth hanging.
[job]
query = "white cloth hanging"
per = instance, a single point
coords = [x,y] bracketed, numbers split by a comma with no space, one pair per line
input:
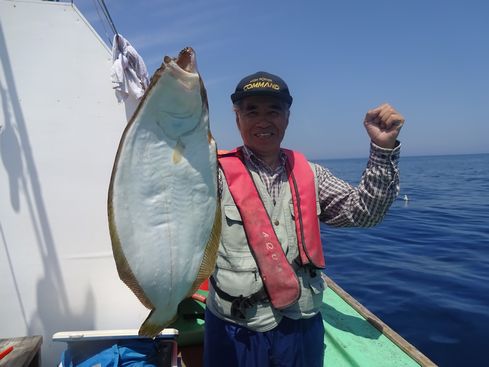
[129,73]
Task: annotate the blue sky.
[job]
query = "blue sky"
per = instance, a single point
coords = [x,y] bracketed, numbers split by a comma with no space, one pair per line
[428,58]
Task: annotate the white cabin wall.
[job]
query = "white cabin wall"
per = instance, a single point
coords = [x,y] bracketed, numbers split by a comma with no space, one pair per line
[60,127]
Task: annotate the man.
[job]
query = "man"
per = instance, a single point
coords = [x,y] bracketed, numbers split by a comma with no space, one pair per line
[265,294]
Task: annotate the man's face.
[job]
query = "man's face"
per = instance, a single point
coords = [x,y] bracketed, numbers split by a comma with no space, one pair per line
[262,121]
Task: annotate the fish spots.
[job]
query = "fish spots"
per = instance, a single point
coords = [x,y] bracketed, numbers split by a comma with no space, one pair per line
[178,151]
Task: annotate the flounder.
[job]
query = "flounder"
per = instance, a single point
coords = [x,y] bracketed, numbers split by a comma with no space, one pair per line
[164,214]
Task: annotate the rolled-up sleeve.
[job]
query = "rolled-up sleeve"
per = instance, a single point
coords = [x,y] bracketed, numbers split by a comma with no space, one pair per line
[343,205]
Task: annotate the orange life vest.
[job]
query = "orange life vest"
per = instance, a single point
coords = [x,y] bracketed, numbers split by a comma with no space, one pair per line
[278,276]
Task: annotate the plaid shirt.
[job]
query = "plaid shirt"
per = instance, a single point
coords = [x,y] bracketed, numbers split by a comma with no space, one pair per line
[272,178]
[342,205]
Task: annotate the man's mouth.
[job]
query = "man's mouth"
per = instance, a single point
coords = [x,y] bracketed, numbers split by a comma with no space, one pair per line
[263,135]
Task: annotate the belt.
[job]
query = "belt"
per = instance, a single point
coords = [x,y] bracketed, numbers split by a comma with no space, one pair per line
[240,304]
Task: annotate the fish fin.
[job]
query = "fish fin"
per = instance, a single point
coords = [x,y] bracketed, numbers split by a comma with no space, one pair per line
[178,151]
[210,138]
[210,254]
[152,326]
[123,268]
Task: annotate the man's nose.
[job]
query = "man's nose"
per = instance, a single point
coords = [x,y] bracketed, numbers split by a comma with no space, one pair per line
[262,120]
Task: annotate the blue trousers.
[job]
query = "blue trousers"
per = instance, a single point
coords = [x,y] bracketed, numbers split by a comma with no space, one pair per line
[293,343]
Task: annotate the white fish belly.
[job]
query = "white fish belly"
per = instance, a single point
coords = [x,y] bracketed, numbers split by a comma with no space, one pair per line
[164,208]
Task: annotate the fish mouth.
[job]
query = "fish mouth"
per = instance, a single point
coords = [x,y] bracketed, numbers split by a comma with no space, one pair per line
[182,114]
[185,60]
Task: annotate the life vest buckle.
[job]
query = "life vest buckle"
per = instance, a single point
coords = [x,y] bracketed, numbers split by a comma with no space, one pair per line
[239,306]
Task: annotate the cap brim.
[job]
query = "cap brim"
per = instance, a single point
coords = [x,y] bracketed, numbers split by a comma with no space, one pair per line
[237,96]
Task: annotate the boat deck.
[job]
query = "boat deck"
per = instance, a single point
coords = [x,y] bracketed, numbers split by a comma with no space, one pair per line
[353,335]
[356,337]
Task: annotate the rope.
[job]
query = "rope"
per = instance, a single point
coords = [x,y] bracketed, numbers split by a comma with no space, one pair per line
[103,23]
[107,16]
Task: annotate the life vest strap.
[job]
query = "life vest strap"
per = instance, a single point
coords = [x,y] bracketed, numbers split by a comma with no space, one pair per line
[239,304]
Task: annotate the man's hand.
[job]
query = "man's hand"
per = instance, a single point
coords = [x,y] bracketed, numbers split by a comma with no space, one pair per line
[383,124]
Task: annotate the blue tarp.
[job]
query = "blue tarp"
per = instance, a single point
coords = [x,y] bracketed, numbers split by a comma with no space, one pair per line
[122,353]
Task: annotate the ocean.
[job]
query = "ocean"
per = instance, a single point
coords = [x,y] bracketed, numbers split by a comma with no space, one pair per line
[424,270]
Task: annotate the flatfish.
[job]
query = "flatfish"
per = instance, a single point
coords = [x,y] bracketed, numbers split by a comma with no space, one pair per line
[163,209]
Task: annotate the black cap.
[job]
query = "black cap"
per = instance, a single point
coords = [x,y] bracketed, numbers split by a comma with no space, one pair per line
[262,83]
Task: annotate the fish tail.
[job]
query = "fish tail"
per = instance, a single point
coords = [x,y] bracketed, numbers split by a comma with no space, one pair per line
[154,323]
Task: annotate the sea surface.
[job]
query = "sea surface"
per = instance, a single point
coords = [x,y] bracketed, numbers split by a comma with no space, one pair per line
[425,269]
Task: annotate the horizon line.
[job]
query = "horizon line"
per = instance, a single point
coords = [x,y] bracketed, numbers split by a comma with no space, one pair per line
[404,156]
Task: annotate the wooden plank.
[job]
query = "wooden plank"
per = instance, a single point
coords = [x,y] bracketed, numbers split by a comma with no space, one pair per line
[25,352]
[402,343]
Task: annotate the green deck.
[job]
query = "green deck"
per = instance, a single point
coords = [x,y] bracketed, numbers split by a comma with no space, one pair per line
[350,340]
[353,335]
